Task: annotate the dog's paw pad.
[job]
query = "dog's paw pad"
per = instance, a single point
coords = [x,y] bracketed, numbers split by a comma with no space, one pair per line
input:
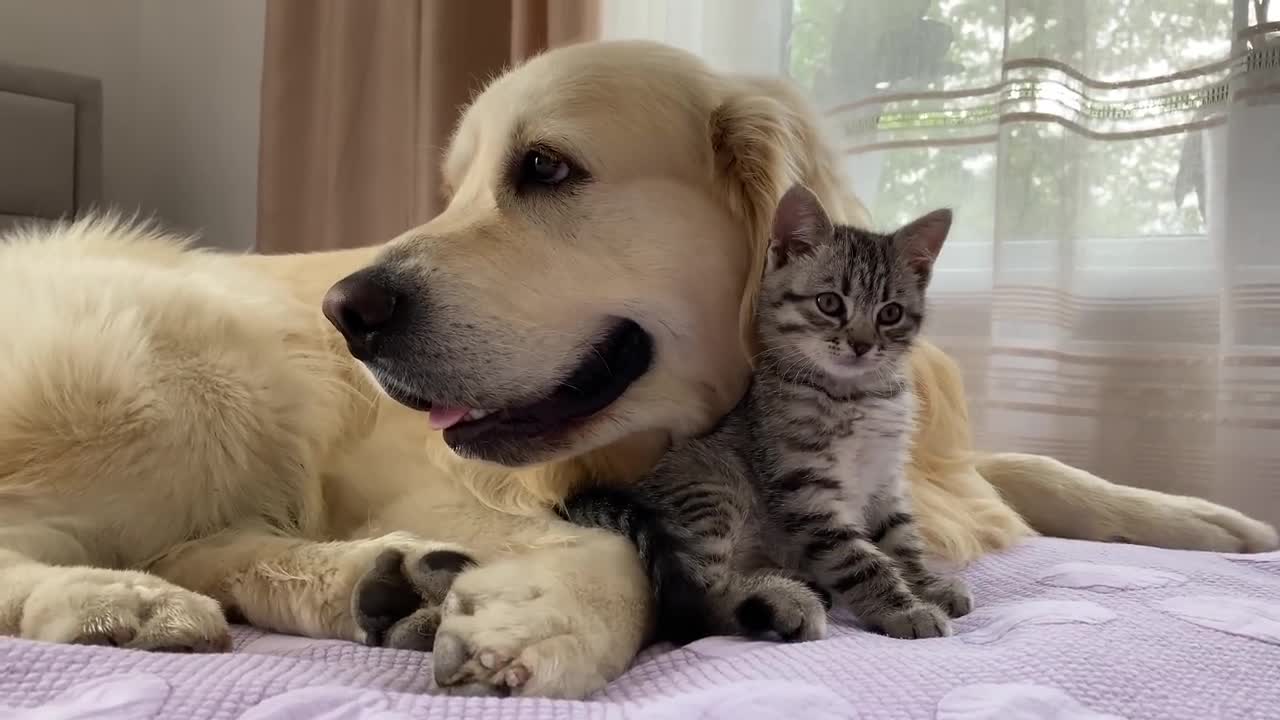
[446,561]
[490,660]
[461,670]
[384,596]
[398,601]
[515,676]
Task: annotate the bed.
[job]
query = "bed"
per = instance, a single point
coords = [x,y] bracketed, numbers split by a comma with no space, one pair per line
[1064,630]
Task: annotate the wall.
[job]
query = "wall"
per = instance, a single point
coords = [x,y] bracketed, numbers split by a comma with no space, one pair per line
[180,93]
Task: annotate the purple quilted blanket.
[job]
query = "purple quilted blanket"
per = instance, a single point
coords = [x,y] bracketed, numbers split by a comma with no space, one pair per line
[1063,631]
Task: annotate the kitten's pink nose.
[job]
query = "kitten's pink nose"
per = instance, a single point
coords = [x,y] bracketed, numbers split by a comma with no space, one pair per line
[861,348]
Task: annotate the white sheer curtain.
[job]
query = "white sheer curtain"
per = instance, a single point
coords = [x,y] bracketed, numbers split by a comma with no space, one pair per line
[1112,283]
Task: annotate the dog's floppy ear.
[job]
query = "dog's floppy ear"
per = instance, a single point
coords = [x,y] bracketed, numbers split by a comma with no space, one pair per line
[766,138]
[754,154]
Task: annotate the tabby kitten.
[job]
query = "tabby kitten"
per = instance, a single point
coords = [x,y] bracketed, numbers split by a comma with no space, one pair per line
[796,499]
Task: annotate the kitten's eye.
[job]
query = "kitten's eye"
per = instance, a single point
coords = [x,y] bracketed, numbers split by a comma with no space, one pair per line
[889,314]
[830,304]
[544,168]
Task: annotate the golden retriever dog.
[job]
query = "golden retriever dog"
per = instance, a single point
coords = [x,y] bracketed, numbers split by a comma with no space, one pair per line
[185,435]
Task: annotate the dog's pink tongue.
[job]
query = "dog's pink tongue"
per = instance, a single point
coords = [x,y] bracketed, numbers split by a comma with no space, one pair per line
[443,418]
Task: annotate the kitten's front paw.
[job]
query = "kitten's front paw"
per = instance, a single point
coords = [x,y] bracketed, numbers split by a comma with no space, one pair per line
[789,608]
[915,623]
[398,601]
[949,593]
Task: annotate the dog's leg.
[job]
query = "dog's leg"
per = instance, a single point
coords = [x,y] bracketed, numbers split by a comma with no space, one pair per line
[1062,501]
[384,590]
[558,621]
[50,591]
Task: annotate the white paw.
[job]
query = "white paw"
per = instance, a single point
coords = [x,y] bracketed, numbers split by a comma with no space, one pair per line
[90,606]
[506,635]
[1246,534]
[1195,524]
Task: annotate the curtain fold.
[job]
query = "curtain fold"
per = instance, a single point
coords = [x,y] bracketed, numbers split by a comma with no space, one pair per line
[359,98]
[1111,286]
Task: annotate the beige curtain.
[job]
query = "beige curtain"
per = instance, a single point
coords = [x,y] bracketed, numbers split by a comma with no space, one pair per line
[1111,285]
[359,98]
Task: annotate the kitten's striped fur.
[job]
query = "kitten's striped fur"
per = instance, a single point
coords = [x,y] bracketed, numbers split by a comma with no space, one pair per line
[797,497]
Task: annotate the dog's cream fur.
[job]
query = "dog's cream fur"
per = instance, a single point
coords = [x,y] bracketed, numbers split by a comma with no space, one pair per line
[179,428]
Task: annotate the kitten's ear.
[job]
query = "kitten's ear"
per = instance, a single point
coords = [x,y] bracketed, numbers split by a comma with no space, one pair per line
[799,225]
[921,240]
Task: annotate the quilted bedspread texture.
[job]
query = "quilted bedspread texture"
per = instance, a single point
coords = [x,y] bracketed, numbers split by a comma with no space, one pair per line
[1063,630]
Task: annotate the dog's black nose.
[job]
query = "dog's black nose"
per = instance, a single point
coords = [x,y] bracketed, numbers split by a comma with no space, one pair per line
[361,305]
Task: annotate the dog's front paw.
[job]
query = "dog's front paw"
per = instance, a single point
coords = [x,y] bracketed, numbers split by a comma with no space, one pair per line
[558,623]
[517,641]
[397,603]
[495,669]
[124,608]
[923,620]
[949,593]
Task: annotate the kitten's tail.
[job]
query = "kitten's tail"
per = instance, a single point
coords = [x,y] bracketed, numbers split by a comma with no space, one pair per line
[684,615]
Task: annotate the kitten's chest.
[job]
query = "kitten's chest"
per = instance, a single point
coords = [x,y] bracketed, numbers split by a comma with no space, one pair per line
[868,457]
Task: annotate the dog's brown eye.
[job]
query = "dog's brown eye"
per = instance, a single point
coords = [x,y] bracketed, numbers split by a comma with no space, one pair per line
[830,304]
[545,168]
[889,314]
